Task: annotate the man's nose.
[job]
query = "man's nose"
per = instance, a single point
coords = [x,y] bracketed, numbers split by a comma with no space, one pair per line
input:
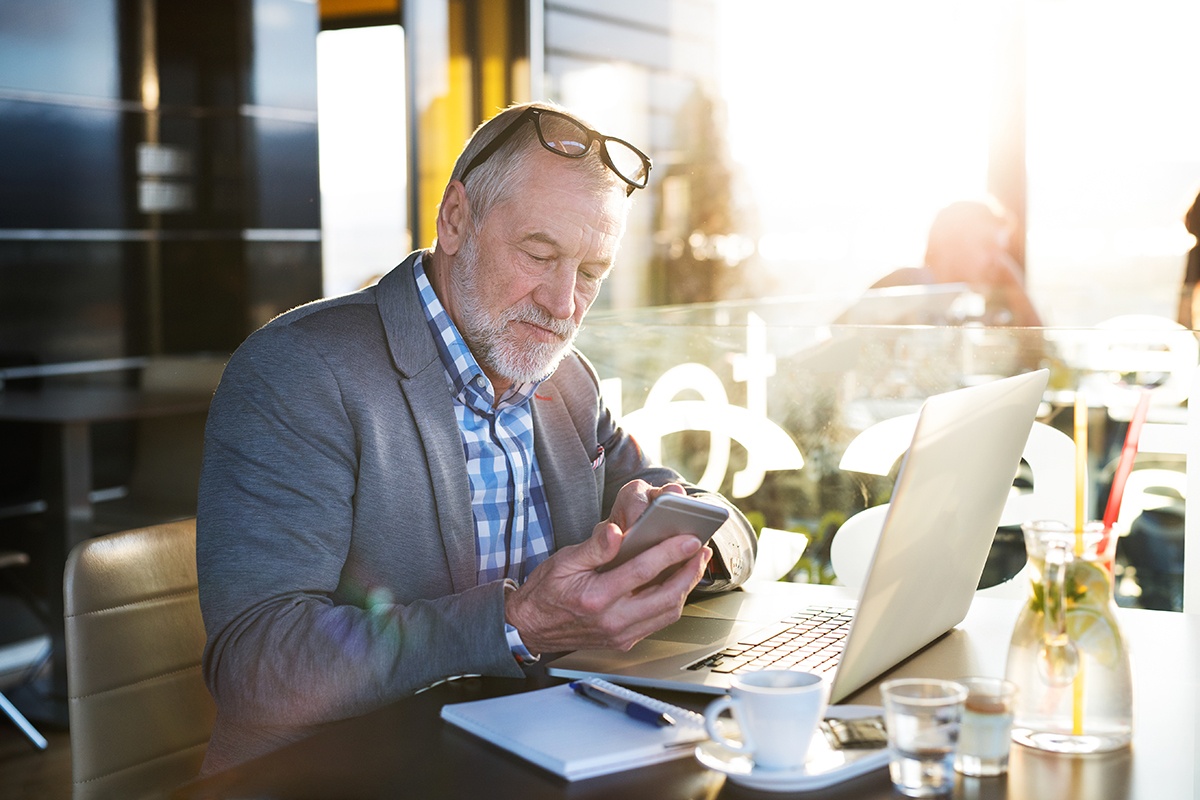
[556,293]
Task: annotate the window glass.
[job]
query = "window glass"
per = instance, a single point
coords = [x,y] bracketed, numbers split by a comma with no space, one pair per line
[60,46]
[360,73]
[280,72]
[805,147]
[852,123]
[799,147]
[1113,161]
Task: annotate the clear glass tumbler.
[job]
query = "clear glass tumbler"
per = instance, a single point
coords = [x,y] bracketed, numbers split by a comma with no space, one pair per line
[923,718]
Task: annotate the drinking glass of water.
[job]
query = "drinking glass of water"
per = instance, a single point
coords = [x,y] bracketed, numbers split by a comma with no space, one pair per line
[923,717]
[986,734]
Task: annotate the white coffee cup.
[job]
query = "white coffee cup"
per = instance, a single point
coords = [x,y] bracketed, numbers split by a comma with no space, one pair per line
[777,712]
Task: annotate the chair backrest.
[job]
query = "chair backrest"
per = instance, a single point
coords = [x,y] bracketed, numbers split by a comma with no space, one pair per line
[140,713]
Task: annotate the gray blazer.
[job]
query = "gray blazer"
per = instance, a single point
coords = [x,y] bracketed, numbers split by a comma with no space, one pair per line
[335,538]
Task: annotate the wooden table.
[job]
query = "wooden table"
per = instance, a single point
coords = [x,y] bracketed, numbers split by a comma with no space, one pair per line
[405,750]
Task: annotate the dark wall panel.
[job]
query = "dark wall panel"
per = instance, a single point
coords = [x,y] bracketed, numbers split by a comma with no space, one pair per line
[200,53]
[62,166]
[203,296]
[281,275]
[62,300]
[285,191]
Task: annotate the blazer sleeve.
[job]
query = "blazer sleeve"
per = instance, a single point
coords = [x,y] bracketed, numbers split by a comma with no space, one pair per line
[295,636]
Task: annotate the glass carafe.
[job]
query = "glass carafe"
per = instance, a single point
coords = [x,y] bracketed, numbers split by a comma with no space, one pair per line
[1067,655]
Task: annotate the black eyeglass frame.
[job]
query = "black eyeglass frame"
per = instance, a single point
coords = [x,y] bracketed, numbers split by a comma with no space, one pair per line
[535,113]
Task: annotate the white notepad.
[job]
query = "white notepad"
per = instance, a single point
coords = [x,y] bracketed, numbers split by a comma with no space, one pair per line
[574,737]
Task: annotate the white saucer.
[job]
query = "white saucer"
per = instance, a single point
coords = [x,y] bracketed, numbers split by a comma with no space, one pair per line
[825,766]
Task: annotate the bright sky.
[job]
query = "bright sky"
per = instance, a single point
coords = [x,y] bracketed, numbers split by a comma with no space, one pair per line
[855,121]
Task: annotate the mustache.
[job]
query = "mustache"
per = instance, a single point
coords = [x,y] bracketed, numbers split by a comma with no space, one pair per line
[563,328]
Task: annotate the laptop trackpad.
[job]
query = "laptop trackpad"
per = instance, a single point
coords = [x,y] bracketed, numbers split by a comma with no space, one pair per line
[696,630]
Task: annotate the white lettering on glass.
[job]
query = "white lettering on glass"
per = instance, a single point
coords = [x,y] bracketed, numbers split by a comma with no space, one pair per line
[768,446]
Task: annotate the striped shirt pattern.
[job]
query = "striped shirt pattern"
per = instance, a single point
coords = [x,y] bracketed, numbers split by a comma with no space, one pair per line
[512,519]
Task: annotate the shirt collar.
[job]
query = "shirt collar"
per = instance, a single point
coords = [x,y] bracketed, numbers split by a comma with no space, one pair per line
[467,379]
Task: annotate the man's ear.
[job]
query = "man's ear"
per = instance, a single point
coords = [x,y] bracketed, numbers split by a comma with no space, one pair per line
[453,218]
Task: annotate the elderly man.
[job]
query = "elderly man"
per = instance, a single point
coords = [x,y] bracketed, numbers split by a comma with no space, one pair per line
[420,480]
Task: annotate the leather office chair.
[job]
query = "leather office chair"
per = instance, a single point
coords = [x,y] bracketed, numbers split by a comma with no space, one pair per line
[140,713]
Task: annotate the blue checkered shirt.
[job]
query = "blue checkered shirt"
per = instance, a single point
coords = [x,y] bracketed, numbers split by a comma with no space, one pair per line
[512,520]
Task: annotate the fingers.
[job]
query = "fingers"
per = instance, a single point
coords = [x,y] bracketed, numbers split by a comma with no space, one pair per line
[630,502]
[635,616]
[563,607]
[667,599]
[634,497]
[651,564]
[680,579]
[601,547]
[666,488]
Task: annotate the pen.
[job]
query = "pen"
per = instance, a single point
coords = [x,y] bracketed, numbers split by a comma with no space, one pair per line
[629,707]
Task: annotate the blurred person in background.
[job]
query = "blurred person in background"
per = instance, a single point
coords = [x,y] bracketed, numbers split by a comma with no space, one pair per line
[968,243]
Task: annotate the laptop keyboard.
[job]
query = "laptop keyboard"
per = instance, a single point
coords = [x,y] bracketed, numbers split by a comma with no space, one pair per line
[810,641]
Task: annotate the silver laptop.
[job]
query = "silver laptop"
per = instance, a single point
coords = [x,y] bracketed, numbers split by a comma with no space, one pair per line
[947,501]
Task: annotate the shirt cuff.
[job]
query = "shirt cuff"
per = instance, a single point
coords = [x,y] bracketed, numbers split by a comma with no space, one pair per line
[515,645]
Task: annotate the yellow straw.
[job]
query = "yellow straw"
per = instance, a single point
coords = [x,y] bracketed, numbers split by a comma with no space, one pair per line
[1077,697]
[1081,457]
[1081,446]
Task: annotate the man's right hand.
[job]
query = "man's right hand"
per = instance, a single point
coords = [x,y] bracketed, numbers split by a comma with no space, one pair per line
[567,605]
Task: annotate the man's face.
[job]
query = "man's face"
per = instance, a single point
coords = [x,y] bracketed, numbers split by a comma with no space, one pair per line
[522,282]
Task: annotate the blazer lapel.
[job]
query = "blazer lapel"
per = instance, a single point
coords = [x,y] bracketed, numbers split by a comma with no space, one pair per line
[423,386]
[429,405]
[566,470]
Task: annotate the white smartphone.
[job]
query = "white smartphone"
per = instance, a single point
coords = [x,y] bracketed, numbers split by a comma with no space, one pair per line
[669,515]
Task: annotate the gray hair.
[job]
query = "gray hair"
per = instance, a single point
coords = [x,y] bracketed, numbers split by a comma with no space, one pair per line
[494,180]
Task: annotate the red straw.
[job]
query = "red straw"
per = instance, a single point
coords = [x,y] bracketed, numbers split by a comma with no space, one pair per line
[1125,464]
